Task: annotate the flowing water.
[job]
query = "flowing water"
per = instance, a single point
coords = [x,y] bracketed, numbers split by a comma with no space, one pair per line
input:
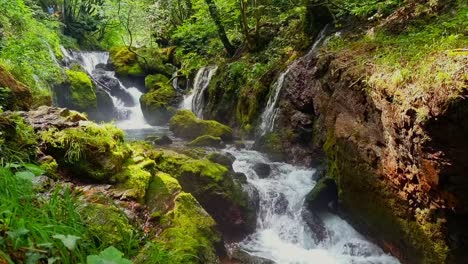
[129,115]
[195,100]
[271,111]
[283,236]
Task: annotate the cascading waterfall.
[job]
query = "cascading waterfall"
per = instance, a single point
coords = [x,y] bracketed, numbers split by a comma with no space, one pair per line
[271,111]
[195,100]
[282,234]
[128,114]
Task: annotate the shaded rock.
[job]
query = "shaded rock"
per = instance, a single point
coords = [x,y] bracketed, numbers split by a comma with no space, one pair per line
[263,170]
[316,225]
[358,249]
[105,107]
[82,91]
[324,194]
[207,141]
[21,98]
[46,117]
[186,125]
[281,204]
[239,145]
[159,105]
[162,141]
[241,177]
[272,145]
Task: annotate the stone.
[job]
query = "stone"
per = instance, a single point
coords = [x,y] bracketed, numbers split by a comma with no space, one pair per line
[316,225]
[225,159]
[324,194]
[207,141]
[162,141]
[186,125]
[263,170]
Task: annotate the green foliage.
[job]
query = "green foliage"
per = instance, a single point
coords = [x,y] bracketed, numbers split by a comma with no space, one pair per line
[108,255]
[5,98]
[29,46]
[18,141]
[83,92]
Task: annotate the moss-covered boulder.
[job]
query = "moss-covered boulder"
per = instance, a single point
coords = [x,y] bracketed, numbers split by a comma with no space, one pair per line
[108,225]
[324,194]
[160,104]
[82,91]
[207,141]
[88,152]
[272,145]
[191,236]
[18,141]
[161,193]
[125,62]
[186,125]
[17,95]
[152,82]
[215,188]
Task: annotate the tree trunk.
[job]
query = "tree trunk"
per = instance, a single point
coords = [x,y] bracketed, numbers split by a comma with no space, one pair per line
[231,50]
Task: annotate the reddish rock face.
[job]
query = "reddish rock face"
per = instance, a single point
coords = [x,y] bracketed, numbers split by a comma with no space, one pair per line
[401,178]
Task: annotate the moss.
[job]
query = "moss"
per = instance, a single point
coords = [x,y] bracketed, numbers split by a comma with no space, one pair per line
[50,167]
[93,152]
[162,190]
[125,62]
[18,140]
[160,105]
[191,236]
[186,125]
[207,141]
[272,145]
[153,82]
[107,224]
[83,92]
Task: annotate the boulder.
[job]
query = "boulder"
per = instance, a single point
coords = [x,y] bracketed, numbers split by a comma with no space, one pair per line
[186,125]
[125,62]
[225,159]
[263,170]
[207,141]
[324,194]
[105,107]
[162,141]
[21,97]
[316,225]
[82,91]
[159,105]
[281,204]
[152,82]
[244,257]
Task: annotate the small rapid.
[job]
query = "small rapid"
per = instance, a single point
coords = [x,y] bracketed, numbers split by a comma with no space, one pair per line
[282,234]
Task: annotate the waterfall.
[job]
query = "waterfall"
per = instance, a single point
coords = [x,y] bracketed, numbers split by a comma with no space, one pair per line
[271,111]
[194,101]
[282,234]
[126,100]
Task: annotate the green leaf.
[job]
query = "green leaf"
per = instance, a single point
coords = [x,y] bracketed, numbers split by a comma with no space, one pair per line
[34,169]
[69,241]
[18,232]
[110,255]
[25,175]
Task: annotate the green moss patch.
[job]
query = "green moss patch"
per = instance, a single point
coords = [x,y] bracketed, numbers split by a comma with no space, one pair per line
[83,92]
[186,125]
[160,104]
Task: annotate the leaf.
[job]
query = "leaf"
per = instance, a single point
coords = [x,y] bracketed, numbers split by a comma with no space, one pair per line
[69,241]
[110,255]
[25,175]
[34,169]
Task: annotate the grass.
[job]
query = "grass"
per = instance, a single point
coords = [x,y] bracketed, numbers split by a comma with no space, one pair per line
[426,59]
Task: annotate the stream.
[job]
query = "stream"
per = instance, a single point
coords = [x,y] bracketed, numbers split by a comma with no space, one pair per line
[282,234]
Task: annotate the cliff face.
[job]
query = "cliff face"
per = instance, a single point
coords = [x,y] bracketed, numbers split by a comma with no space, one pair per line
[400,173]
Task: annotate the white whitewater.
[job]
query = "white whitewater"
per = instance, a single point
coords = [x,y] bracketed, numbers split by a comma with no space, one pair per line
[282,235]
[194,101]
[133,116]
[271,111]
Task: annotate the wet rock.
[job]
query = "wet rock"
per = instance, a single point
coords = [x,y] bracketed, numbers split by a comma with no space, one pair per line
[241,177]
[263,170]
[239,145]
[319,173]
[358,249]
[315,224]
[281,204]
[105,107]
[225,159]
[46,117]
[159,105]
[112,85]
[162,141]
[324,194]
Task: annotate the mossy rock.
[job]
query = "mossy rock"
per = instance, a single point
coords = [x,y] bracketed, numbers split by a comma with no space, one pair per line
[225,159]
[83,92]
[107,224]
[272,145]
[191,236]
[159,105]
[207,141]
[21,97]
[152,82]
[186,125]
[161,193]
[125,62]
[324,192]
[215,188]
[18,140]
[88,152]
